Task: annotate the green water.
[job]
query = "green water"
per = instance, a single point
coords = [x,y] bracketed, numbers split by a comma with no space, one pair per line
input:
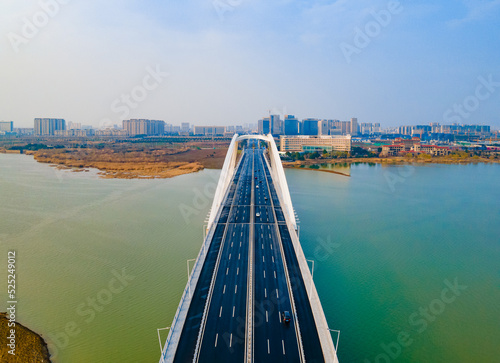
[384,241]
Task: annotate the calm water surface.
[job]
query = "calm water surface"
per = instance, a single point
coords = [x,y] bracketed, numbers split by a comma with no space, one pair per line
[386,241]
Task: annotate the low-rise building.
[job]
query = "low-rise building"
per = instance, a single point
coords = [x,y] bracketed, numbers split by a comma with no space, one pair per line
[393,150]
[432,149]
[315,143]
[209,130]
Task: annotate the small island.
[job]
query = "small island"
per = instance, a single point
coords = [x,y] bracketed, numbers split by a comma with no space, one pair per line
[128,160]
[30,346]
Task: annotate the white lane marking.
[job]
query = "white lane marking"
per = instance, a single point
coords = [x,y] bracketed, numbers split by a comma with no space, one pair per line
[267,317]
[216,337]
[227,270]
[263,260]
[238,271]
[277,294]
[274,274]
[271,246]
[262,246]
[241,234]
[265,292]
[233,310]
[279,314]
[224,289]
[283,345]
[240,244]
[264,273]
[268,350]
[229,256]
[236,289]
[269,235]
[231,244]
[220,312]
[239,255]
[261,235]
[231,340]
[273,258]
[233,233]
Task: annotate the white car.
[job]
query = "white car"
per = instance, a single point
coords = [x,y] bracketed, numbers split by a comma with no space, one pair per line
[257,215]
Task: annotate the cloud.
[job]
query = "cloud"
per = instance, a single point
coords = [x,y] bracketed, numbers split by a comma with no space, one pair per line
[476,10]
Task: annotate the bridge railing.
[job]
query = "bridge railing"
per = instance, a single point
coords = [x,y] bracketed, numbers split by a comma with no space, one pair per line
[187,295]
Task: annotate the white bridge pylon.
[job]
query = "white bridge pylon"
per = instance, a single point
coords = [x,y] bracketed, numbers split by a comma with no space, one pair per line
[277,173]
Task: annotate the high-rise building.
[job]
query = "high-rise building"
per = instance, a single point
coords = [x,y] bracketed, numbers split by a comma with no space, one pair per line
[291,125]
[276,125]
[48,126]
[144,127]
[7,126]
[310,126]
[74,125]
[185,127]
[264,126]
[354,126]
[323,127]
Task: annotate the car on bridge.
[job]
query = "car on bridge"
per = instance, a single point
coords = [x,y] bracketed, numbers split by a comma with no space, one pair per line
[286,317]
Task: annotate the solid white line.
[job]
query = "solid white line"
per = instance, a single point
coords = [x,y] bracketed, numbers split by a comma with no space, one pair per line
[220,312]
[216,337]
[233,310]
[268,350]
[283,345]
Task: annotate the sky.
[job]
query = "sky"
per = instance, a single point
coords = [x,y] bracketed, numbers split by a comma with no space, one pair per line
[230,62]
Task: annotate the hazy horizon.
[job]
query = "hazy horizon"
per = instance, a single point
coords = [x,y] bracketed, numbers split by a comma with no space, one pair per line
[230,62]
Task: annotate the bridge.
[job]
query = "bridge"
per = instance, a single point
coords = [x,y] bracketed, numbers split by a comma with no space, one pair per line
[250,296]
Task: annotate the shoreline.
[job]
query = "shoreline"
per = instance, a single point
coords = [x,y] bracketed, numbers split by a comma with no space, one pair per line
[141,163]
[142,168]
[30,346]
[390,161]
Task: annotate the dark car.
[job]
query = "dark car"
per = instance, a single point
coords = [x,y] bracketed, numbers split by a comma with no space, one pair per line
[286,317]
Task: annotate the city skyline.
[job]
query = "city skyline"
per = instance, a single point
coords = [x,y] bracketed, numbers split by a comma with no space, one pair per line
[226,62]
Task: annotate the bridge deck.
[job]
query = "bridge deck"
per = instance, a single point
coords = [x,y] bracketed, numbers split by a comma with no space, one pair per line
[250,223]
